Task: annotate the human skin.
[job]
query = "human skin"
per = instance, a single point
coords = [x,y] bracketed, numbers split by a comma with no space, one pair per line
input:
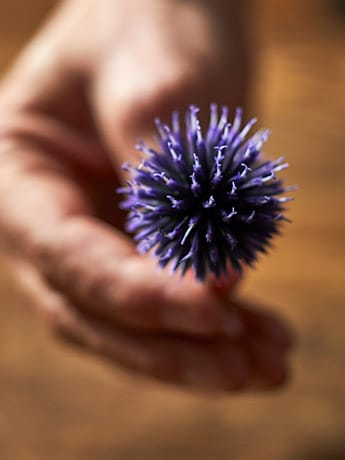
[72,107]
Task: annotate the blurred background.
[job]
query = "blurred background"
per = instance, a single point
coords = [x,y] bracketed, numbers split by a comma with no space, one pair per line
[60,405]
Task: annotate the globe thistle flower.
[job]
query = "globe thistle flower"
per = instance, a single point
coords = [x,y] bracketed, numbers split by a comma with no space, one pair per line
[205,201]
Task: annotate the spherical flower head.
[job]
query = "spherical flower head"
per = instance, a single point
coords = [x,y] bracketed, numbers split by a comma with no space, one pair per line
[204,201]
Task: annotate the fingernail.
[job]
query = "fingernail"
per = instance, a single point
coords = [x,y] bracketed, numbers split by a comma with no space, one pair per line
[231,325]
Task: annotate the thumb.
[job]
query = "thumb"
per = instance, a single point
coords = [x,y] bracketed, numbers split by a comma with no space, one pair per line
[125,106]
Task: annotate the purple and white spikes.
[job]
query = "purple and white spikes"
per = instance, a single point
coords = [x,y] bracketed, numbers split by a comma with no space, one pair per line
[191,226]
[204,201]
[233,188]
[242,135]
[196,176]
[213,125]
[209,203]
[238,118]
[228,217]
[218,160]
[175,203]
[175,121]
[223,119]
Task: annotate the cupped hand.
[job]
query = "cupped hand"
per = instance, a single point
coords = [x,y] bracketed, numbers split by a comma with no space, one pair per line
[85,88]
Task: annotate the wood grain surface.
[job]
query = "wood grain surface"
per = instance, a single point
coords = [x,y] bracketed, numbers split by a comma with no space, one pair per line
[58,405]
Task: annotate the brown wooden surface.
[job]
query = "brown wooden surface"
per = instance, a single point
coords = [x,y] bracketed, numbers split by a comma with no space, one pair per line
[58,405]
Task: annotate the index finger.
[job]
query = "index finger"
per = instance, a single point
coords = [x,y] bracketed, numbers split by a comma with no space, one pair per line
[98,268]
[46,217]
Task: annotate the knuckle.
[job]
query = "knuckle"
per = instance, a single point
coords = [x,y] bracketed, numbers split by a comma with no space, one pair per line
[98,287]
[62,324]
[56,322]
[39,250]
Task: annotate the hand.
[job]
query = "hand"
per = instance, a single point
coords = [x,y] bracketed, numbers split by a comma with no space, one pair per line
[72,107]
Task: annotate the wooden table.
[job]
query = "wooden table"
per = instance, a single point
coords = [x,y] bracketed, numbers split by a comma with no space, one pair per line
[58,405]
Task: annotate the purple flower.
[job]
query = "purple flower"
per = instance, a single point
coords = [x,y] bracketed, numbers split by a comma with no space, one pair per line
[203,201]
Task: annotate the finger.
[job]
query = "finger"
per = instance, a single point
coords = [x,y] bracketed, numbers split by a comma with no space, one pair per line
[267,340]
[194,363]
[266,325]
[268,365]
[95,265]
[98,268]
[180,76]
[267,361]
[121,99]
[218,365]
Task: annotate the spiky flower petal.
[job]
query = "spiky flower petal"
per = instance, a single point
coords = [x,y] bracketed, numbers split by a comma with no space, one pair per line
[202,201]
